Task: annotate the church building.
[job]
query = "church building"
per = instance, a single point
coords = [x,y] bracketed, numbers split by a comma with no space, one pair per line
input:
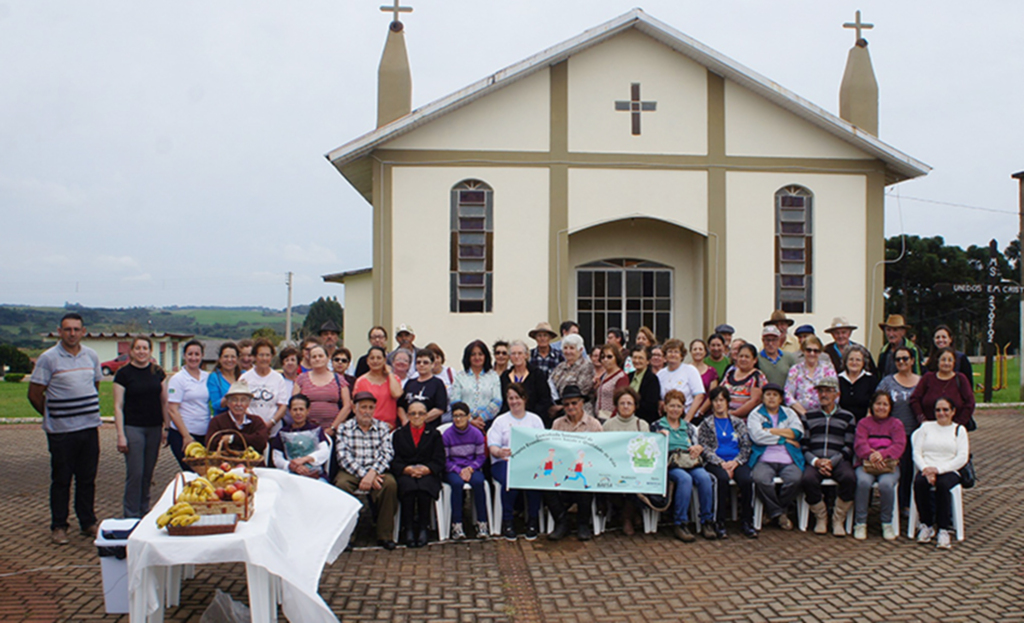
[629,176]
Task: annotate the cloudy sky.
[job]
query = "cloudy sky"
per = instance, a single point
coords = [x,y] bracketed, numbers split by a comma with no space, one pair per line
[172,153]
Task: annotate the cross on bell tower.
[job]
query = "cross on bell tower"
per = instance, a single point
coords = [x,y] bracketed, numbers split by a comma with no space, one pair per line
[395,10]
[856,24]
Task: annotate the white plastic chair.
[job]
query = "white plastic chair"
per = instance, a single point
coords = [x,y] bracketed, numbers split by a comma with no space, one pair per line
[446,508]
[547,520]
[652,517]
[759,504]
[957,515]
[803,509]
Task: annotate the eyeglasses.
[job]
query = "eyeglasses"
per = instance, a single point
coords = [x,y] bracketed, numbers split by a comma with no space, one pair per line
[500,352]
[902,359]
[340,360]
[607,356]
[812,350]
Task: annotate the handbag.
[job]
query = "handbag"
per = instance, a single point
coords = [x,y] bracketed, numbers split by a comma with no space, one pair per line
[682,459]
[968,477]
[888,467]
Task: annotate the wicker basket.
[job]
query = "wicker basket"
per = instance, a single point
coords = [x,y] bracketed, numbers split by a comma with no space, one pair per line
[218,451]
[243,509]
[206,525]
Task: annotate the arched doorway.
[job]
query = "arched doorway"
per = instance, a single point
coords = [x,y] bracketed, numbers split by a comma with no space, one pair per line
[623,293]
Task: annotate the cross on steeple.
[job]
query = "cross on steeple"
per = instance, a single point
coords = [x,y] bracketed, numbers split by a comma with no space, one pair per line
[858,25]
[635,106]
[396,9]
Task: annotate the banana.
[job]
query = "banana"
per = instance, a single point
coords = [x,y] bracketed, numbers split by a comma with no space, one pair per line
[195,449]
[163,520]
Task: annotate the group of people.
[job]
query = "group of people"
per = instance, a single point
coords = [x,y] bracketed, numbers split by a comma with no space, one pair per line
[403,423]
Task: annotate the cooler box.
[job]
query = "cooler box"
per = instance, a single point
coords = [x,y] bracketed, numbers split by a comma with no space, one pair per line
[112,545]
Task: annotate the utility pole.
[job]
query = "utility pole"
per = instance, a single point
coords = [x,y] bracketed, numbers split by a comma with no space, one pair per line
[1019,176]
[288,311]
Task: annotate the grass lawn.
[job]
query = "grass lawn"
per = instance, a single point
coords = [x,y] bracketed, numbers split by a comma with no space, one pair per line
[14,400]
[234,316]
[1010,393]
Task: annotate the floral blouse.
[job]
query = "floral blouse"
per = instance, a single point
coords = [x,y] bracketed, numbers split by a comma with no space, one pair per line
[606,394]
[801,381]
[740,390]
[482,394]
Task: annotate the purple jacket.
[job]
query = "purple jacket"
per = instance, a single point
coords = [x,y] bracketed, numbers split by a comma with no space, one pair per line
[464,448]
[887,436]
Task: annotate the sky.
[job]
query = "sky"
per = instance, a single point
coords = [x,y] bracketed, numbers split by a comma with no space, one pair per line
[157,154]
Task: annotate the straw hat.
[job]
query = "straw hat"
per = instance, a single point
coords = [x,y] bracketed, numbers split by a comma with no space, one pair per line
[239,388]
[840,322]
[542,327]
[895,321]
[778,316]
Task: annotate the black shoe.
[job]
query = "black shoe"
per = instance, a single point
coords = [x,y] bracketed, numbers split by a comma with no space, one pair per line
[720,530]
[561,529]
[423,538]
[584,532]
[410,538]
[508,531]
[708,531]
[388,545]
[749,531]
[532,530]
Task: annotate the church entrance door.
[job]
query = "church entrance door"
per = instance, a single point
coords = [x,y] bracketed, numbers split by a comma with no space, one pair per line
[623,293]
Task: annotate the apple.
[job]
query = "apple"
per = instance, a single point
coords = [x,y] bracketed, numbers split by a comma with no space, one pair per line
[241,485]
[238,496]
[222,493]
[225,466]
[231,489]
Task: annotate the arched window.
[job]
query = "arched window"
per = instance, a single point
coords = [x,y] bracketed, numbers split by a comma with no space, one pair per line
[623,293]
[793,250]
[472,247]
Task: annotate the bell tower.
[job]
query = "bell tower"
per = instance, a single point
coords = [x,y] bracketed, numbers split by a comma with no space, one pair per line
[394,80]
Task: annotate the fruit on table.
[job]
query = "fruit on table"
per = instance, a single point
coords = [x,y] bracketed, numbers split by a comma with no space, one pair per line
[199,490]
[238,496]
[181,514]
[251,454]
[195,450]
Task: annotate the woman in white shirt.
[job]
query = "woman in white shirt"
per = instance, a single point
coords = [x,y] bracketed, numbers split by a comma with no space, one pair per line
[941,448]
[499,442]
[188,403]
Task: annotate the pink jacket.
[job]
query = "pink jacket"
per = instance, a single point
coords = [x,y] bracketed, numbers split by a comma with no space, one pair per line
[886,436]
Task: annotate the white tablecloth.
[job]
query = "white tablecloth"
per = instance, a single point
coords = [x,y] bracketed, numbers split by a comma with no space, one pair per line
[299,524]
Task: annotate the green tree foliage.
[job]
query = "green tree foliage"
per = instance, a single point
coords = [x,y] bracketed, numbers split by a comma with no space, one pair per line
[320,311]
[916,265]
[268,333]
[16,360]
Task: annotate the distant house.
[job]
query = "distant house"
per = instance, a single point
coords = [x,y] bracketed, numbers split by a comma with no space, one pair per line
[167,347]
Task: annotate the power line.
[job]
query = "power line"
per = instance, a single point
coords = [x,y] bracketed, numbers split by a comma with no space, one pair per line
[956,205]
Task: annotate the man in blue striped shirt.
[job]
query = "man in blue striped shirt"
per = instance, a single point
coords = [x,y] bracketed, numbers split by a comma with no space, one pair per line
[64,389]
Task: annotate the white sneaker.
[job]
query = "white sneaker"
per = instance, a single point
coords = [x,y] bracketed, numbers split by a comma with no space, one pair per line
[925,534]
[943,541]
[860,531]
[457,532]
[482,530]
[889,532]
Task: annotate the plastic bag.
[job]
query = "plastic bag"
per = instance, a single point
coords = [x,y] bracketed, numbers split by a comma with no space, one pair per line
[226,610]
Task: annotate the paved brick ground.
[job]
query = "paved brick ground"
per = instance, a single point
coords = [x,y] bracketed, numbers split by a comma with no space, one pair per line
[779,577]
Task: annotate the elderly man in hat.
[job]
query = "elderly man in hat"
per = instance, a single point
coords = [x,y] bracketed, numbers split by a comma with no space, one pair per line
[575,420]
[829,433]
[895,329]
[329,334]
[787,342]
[405,336]
[841,329]
[774,363]
[364,451]
[251,427]
[545,356]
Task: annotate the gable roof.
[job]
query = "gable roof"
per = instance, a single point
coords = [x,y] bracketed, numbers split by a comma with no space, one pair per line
[901,166]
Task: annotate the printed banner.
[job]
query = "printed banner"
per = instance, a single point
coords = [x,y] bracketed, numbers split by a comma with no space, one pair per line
[595,462]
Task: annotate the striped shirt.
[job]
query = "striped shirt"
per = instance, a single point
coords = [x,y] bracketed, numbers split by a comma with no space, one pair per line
[72,401]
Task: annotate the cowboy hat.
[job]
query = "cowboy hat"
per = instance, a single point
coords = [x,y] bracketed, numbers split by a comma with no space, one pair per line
[542,327]
[840,322]
[895,321]
[239,388]
[778,316]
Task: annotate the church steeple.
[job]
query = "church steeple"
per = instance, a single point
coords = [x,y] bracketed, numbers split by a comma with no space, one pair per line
[394,80]
[858,94]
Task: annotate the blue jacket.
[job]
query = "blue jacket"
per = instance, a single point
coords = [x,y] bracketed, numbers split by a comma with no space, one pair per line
[217,385]
[758,423]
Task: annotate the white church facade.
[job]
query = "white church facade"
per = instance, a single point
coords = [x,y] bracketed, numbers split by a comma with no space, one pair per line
[630,176]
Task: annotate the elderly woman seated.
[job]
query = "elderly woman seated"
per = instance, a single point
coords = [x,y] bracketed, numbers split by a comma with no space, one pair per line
[775,432]
[418,466]
[301,447]
[941,449]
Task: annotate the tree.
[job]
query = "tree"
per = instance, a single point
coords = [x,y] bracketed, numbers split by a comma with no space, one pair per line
[320,311]
[268,333]
[13,358]
[916,265]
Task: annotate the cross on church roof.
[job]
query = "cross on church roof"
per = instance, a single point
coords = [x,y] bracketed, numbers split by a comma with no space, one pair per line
[396,9]
[858,25]
[635,106]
